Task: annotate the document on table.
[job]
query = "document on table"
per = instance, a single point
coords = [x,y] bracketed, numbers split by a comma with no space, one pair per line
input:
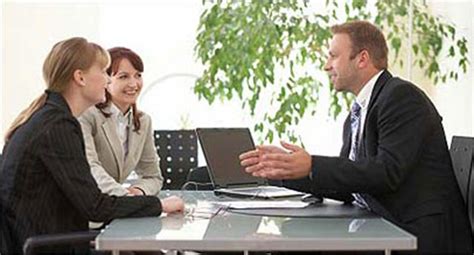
[285,204]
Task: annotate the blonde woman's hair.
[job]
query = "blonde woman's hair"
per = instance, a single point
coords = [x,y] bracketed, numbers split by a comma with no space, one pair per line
[58,69]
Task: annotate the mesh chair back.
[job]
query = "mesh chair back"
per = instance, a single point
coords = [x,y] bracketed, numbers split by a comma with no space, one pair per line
[178,154]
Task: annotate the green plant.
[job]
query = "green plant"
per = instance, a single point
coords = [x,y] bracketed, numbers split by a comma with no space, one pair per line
[431,36]
[254,48]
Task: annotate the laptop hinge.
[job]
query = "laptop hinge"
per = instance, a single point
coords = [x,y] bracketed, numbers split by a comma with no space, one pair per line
[241,185]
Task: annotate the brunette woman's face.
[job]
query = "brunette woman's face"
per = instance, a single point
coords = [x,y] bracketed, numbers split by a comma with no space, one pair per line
[126,85]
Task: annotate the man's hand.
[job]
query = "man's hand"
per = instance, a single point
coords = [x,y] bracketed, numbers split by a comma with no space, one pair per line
[172,204]
[251,160]
[275,163]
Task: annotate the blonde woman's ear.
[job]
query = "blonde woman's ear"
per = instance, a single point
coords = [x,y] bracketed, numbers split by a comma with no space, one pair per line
[79,77]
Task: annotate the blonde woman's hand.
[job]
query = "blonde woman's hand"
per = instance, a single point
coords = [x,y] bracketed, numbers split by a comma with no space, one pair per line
[133,191]
[172,204]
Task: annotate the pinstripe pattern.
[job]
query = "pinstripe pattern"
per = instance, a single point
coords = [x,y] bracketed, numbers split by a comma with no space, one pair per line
[45,180]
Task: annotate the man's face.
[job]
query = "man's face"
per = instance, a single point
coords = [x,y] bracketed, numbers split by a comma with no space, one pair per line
[341,69]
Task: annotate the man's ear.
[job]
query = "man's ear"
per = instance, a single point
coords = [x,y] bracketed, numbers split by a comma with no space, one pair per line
[78,77]
[364,59]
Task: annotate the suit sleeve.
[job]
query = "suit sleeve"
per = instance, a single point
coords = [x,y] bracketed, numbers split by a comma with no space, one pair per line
[65,158]
[107,183]
[402,121]
[148,167]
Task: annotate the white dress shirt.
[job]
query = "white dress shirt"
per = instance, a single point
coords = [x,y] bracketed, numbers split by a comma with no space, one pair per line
[363,99]
[123,122]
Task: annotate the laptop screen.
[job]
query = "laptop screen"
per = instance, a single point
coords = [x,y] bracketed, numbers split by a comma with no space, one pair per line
[222,147]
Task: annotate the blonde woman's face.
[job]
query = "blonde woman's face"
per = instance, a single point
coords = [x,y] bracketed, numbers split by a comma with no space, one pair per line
[126,85]
[96,80]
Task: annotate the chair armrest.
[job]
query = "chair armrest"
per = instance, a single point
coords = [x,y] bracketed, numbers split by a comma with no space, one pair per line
[36,242]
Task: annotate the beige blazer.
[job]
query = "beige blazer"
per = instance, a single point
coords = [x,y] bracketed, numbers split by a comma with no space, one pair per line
[106,157]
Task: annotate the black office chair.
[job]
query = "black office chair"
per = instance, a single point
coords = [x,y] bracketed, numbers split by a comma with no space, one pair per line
[198,179]
[69,243]
[178,155]
[462,154]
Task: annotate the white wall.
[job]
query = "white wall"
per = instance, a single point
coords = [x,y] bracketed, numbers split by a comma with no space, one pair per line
[163,33]
[29,30]
[454,99]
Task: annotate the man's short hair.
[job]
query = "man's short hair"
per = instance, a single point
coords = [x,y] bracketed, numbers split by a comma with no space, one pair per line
[365,36]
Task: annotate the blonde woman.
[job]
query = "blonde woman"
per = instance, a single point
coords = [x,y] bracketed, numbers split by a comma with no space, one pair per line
[46,185]
[119,137]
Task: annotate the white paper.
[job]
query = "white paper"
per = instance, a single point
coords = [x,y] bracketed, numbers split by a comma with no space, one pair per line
[285,204]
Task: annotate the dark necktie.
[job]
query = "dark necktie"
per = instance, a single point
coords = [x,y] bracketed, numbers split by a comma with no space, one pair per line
[355,130]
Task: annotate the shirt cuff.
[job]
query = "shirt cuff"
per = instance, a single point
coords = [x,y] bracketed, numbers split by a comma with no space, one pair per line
[312,172]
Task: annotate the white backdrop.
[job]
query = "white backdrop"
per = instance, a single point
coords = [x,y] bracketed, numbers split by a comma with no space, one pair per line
[162,33]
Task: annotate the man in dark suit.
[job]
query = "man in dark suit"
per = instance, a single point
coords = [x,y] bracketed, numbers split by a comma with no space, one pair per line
[394,160]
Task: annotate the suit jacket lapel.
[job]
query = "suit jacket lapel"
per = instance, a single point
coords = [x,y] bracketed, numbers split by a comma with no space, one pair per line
[384,78]
[346,138]
[110,131]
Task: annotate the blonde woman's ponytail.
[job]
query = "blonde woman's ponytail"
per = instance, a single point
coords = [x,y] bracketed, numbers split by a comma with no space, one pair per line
[58,69]
[25,115]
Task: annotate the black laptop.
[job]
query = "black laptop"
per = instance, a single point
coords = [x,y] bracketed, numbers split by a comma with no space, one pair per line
[222,147]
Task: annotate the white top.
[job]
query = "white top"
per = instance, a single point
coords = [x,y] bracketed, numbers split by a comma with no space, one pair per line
[363,100]
[123,122]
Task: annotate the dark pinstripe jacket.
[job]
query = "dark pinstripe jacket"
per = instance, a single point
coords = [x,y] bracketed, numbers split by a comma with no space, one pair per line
[46,185]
